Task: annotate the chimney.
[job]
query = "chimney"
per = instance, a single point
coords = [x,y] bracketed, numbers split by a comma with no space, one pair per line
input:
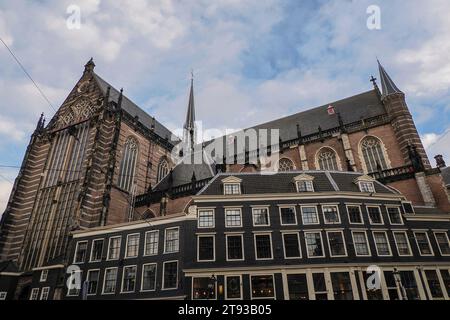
[440,163]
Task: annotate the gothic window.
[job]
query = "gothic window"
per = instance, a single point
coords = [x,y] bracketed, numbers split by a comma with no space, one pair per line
[327,159]
[285,165]
[163,170]
[372,152]
[128,164]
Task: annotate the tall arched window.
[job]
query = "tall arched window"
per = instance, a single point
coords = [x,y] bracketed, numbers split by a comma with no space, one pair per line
[163,170]
[327,159]
[372,152]
[128,165]
[285,165]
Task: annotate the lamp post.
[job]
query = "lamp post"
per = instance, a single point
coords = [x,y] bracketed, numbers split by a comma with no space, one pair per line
[398,279]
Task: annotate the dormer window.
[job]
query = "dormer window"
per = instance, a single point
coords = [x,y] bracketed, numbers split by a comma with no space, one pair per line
[304,183]
[365,184]
[231,186]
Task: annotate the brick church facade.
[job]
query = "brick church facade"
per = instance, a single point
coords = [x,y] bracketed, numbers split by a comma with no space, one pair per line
[103,161]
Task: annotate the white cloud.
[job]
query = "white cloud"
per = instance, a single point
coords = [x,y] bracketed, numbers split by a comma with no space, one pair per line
[438,144]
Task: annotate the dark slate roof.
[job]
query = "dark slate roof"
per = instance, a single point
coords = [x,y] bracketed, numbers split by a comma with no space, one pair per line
[428,210]
[182,174]
[190,115]
[387,85]
[282,182]
[131,108]
[446,175]
[8,266]
[352,109]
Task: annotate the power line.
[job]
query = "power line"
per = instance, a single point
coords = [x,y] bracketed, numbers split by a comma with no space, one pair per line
[28,75]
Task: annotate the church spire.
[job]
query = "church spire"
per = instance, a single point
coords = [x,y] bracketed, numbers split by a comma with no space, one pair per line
[387,85]
[189,134]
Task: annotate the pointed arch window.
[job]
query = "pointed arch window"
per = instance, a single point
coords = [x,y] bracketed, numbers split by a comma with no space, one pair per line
[373,154]
[327,160]
[163,170]
[128,164]
[285,164]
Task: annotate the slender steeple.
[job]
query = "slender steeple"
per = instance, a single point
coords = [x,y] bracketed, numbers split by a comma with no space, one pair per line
[189,130]
[387,85]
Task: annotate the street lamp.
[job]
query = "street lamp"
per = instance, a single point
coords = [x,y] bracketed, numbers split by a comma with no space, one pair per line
[398,280]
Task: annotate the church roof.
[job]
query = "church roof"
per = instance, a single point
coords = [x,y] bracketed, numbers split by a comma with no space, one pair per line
[387,84]
[282,182]
[8,266]
[131,108]
[190,116]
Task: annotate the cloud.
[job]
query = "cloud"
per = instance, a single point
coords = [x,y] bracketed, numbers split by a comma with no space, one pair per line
[438,144]
[7,177]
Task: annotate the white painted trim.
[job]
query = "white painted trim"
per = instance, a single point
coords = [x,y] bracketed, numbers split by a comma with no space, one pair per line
[338,214]
[198,246]
[399,213]
[284,246]
[428,240]
[76,250]
[367,243]
[255,247]
[108,258]
[44,275]
[439,247]
[317,215]
[321,241]
[240,286]
[145,243]
[45,290]
[142,276]
[241,235]
[381,215]
[209,210]
[104,281]
[268,216]
[165,240]
[387,241]
[123,278]
[343,242]
[360,214]
[233,209]
[87,280]
[407,242]
[92,249]
[281,218]
[138,247]
[164,269]
[274,287]
[192,289]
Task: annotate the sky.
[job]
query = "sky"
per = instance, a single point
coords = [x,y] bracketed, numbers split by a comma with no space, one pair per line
[253,60]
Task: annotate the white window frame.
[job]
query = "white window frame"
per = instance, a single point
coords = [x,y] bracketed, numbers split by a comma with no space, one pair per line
[321,242]
[145,243]
[407,242]
[338,214]
[44,275]
[240,217]
[240,286]
[284,246]
[45,291]
[317,215]
[142,276]
[262,275]
[92,250]
[281,217]
[87,280]
[360,214]
[255,247]
[104,281]
[399,212]
[206,235]
[308,183]
[437,243]
[212,211]
[126,245]
[369,183]
[343,242]
[381,215]
[367,243]
[34,291]
[3,295]
[108,258]
[163,276]
[428,240]
[242,245]
[76,251]
[268,217]
[123,278]
[388,244]
[165,240]
[231,184]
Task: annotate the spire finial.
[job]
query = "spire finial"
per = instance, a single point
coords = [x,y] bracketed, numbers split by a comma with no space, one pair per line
[388,86]
[189,135]
[89,66]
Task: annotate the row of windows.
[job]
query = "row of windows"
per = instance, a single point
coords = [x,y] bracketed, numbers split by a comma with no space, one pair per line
[128,280]
[44,293]
[334,284]
[309,214]
[151,246]
[263,248]
[327,159]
